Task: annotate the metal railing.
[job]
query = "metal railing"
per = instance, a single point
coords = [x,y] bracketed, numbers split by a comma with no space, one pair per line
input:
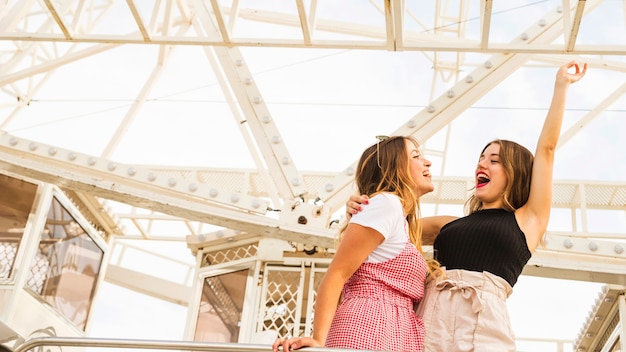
[36,344]
[122,344]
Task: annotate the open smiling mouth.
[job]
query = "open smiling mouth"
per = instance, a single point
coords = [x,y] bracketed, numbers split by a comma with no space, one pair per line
[482,180]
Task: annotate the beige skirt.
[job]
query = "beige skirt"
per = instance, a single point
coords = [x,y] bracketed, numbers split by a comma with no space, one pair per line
[467,311]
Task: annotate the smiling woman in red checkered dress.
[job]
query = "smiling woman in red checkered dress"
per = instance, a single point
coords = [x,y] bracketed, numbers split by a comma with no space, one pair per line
[379,262]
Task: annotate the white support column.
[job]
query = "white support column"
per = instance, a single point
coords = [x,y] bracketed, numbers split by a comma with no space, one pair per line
[29,246]
[622,319]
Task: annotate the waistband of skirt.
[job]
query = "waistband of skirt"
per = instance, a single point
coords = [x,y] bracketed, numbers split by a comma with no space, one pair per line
[484,281]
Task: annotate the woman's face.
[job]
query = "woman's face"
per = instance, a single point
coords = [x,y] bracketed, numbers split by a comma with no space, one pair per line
[420,169]
[491,178]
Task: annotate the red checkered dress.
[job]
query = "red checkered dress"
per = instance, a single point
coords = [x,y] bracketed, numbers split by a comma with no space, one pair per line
[376,312]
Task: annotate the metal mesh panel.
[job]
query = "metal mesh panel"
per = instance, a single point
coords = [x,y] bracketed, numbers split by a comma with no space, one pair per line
[598,195]
[448,191]
[565,194]
[288,298]
[38,273]
[7,256]
[229,254]
[282,301]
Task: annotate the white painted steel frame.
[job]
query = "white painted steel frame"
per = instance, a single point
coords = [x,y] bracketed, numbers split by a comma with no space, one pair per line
[68,29]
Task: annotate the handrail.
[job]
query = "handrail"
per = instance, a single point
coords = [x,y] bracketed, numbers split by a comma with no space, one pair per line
[153,344]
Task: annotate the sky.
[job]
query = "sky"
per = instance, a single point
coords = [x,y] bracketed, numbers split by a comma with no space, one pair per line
[329,105]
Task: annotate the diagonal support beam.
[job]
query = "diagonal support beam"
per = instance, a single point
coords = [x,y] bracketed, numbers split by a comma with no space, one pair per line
[486,10]
[305,26]
[592,115]
[574,26]
[219,18]
[58,19]
[139,21]
[269,141]
[458,98]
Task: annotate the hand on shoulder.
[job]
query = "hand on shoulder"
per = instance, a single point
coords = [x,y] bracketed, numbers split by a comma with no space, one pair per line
[354,204]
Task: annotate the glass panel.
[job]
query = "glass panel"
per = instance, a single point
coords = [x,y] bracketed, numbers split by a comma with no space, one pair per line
[220,307]
[66,267]
[16,201]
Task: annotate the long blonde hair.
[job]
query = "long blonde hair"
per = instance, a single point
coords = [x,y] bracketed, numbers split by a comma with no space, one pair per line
[384,167]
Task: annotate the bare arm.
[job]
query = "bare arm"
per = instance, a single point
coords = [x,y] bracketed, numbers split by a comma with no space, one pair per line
[534,215]
[357,243]
[431,225]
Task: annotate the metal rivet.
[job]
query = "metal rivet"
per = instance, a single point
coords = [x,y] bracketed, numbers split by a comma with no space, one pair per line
[568,243]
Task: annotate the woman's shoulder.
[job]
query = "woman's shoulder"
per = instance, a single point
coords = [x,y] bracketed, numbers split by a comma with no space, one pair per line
[383,202]
[385,197]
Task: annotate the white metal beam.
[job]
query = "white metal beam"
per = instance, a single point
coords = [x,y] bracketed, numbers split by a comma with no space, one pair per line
[593,114]
[572,29]
[603,329]
[461,96]
[305,26]
[58,19]
[153,286]
[486,9]
[268,139]
[220,23]
[105,174]
[139,21]
[410,41]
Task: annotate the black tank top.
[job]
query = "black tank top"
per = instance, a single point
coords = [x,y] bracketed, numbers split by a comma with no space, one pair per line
[487,240]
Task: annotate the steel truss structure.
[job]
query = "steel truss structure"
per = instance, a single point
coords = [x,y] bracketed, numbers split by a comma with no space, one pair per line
[467,44]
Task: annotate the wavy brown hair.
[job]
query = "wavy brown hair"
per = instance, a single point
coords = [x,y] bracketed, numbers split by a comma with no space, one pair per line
[518,165]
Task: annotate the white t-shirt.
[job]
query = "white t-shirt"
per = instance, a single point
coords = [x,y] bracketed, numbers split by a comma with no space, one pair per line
[384,214]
